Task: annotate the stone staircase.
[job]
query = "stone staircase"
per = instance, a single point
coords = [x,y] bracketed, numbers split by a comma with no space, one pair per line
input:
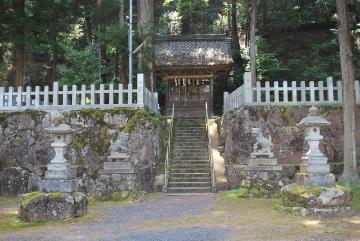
[189,165]
[196,109]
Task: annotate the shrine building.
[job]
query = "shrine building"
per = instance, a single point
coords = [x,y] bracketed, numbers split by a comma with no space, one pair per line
[190,65]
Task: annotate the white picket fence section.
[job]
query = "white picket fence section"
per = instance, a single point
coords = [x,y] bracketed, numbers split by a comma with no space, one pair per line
[286,93]
[64,98]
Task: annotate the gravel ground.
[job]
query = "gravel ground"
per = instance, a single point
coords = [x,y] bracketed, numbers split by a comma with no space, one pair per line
[172,218]
[120,223]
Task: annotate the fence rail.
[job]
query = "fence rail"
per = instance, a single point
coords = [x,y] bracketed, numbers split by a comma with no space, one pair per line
[58,97]
[286,93]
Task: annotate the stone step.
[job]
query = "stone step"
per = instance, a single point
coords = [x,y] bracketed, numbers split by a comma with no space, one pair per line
[185,174]
[190,165]
[190,148]
[195,143]
[182,150]
[190,139]
[189,189]
[177,158]
[189,154]
[190,161]
[190,135]
[189,179]
[189,170]
[190,132]
[177,153]
[189,184]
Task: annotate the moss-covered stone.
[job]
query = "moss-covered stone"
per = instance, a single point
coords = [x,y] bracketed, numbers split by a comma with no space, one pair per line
[39,207]
[294,195]
[299,195]
[30,197]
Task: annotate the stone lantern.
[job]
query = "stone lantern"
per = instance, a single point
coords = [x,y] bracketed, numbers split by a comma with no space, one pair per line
[60,175]
[314,170]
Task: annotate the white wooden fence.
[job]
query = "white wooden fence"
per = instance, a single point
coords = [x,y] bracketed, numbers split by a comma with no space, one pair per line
[63,98]
[286,93]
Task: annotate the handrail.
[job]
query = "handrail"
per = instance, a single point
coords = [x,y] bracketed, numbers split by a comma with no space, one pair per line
[212,169]
[168,150]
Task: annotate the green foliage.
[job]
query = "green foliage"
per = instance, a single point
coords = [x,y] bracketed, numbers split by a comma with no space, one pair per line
[269,68]
[139,117]
[81,66]
[354,187]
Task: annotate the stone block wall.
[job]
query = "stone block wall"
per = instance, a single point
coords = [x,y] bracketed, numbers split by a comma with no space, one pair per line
[25,148]
[288,139]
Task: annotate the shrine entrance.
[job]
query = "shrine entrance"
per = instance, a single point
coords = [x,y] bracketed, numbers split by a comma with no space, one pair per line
[189,90]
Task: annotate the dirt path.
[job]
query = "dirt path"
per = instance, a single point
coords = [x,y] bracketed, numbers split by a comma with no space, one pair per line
[198,218]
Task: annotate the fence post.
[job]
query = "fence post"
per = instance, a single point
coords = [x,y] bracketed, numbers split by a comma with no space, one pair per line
[276,91]
[121,94]
[65,95]
[111,94]
[248,88]
[294,91]
[37,96]
[140,90]
[357,92]
[92,94]
[321,91]
[156,104]
[226,95]
[46,95]
[73,94]
[18,96]
[10,96]
[285,92]
[330,89]
[2,90]
[340,91]
[55,93]
[312,91]
[83,95]
[102,94]
[28,96]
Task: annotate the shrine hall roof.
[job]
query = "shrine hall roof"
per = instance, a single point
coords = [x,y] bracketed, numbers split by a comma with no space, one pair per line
[193,50]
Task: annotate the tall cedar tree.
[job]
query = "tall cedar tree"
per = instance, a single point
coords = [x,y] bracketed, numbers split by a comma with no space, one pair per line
[347,72]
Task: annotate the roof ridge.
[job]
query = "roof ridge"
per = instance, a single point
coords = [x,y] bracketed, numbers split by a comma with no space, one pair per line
[193,37]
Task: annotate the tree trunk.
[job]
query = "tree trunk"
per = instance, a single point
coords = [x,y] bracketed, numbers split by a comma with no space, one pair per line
[145,25]
[234,29]
[121,56]
[88,30]
[100,45]
[253,42]
[53,58]
[19,6]
[185,25]
[347,72]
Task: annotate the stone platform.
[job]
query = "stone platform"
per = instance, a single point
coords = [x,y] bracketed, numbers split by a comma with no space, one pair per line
[58,185]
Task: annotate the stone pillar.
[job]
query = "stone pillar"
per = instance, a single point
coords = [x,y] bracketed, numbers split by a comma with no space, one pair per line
[314,169]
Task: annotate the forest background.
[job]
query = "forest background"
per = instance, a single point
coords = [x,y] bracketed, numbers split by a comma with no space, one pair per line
[82,42]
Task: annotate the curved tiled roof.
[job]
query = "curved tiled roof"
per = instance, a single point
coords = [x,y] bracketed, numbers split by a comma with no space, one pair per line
[193,50]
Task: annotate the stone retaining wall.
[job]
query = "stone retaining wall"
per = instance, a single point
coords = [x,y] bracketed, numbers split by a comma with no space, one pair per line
[288,139]
[26,147]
